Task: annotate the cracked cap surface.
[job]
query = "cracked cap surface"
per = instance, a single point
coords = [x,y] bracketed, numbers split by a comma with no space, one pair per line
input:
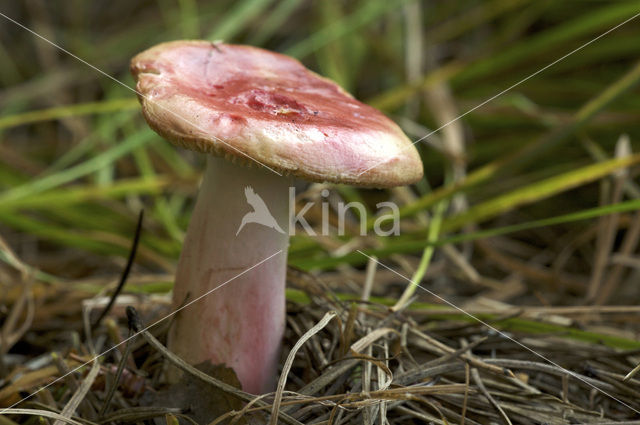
[247,103]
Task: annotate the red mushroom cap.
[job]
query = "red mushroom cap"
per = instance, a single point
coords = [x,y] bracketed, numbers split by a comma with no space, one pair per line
[248,103]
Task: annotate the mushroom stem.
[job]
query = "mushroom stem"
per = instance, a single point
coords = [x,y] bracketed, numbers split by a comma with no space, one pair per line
[241,323]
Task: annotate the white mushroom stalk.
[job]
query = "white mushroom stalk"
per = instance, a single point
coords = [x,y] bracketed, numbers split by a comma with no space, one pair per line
[240,323]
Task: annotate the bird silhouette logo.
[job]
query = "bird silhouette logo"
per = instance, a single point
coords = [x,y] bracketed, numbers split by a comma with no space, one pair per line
[260,213]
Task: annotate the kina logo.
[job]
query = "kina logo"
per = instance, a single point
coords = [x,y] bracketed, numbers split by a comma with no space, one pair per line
[260,214]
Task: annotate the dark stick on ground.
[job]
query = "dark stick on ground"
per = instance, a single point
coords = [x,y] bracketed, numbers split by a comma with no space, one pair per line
[125,273]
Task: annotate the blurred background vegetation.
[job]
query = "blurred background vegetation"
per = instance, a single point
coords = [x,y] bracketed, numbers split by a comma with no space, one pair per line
[530,198]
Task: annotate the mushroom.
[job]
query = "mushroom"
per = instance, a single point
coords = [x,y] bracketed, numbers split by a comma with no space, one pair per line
[263,119]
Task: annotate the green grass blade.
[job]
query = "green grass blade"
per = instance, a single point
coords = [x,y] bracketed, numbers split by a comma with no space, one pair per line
[530,151]
[92,165]
[413,246]
[238,18]
[371,11]
[189,19]
[538,191]
[275,20]
[583,25]
[86,193]
[91,108]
